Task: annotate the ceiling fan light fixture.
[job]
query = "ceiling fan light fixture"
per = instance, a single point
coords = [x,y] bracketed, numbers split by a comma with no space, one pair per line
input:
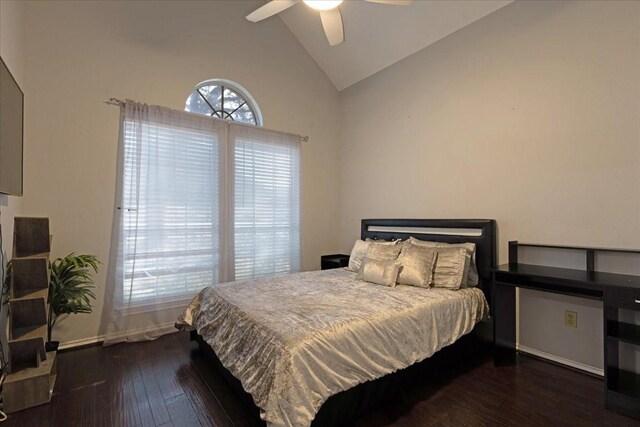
[322,4]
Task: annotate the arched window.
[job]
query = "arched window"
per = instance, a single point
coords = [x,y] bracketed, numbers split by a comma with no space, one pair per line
[224,99]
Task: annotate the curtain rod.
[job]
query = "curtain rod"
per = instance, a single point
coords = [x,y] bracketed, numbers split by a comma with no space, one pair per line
[120,103]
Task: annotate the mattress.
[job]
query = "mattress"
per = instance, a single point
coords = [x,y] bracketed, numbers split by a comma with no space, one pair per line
[293,341]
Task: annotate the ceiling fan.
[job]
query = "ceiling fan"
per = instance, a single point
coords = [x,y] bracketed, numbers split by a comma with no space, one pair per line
[329,14]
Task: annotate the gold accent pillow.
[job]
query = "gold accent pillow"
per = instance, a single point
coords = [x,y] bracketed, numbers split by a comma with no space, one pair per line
[472,278]
[451,265]
[383,251]
[379,272]
[417,265]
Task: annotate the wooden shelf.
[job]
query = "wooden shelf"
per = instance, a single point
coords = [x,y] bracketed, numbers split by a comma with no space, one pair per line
[26,353]
[31,386]
[33,370]
[581,279]
[28,332]
[26,312]
[624,332]
[31,237]
[624,382]
[29,275]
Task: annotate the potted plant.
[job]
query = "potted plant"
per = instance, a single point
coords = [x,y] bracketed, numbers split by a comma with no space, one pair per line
[70,289]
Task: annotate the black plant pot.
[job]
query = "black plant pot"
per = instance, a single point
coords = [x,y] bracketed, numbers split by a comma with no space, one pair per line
[52,345]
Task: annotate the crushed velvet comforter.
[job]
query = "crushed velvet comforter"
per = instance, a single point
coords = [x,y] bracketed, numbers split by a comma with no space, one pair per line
[293,341]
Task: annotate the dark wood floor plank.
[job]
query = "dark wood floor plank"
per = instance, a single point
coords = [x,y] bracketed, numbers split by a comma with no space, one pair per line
[88,405]
[130,405]
[209,411]
[103,405]
[182,412]
[168,382]
[69,412]
[156,401]
[144,409]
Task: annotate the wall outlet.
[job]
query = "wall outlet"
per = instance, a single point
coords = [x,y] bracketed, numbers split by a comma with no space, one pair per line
[570,319]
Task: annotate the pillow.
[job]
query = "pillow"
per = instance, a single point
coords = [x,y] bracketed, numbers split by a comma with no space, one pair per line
[360,249]
[358,252]
[417,265]
[383,252]
[449,271]
[379,272]
[423,243]
[383,242]
[472,277]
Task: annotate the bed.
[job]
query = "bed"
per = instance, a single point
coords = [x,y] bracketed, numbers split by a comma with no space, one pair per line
[321,347]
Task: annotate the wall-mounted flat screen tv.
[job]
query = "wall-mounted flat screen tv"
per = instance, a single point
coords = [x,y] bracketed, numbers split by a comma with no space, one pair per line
[11,133]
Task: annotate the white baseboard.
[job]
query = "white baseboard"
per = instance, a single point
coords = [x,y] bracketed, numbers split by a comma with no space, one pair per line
[84,341]
[561,360]
[157,329]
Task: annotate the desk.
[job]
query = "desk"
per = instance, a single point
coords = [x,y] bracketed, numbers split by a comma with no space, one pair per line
[617,291]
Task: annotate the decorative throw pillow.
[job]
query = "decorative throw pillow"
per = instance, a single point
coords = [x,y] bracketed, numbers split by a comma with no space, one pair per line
[472,277]
[417,265]
[358,252]
[470,248]
[383,252]
[449,271]
[379,272]
[423,243]
[383,242]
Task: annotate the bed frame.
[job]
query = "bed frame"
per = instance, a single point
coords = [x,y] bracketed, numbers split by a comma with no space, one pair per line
[348,405]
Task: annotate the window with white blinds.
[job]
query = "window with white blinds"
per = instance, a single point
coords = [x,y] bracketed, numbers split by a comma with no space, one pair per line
[170,215]
[187,220]
[267,205]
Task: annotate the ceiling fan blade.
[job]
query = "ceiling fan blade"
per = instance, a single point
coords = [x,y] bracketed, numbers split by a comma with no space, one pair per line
[332,24]
[272,8]
[393,2]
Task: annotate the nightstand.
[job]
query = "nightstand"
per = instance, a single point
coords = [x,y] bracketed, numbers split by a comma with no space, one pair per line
[327,262]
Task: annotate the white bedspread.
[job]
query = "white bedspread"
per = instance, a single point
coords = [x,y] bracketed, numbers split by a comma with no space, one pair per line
[293,341]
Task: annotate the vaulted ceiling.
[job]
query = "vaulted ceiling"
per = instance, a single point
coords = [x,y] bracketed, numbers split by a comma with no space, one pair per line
[378,35]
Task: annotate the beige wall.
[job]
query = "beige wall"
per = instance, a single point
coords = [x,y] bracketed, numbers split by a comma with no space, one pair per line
[530,116]
[12,52]
[80,54]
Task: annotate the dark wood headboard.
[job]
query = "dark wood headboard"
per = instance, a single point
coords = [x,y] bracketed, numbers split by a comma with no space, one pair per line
[482,232]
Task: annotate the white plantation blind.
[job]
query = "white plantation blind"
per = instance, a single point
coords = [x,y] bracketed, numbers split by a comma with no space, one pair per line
[266,202]
[199,201]
[171,210]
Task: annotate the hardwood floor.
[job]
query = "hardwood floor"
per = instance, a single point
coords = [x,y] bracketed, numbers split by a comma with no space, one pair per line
[168,382]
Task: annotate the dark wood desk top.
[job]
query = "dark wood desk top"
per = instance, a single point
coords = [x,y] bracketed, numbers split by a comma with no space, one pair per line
[563,280]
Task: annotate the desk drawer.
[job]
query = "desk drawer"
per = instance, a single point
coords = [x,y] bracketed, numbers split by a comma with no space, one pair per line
[627,298]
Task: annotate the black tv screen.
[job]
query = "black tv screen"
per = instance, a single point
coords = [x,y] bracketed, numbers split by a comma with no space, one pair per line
[11,133]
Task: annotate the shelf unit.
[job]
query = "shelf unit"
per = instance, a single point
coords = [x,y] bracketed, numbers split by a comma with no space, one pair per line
[617,291]
[32,369]
[622,393]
